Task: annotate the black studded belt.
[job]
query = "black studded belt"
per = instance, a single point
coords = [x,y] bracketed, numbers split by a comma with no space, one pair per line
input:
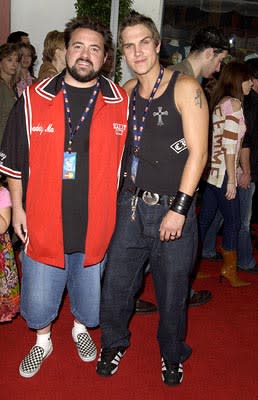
[152,198]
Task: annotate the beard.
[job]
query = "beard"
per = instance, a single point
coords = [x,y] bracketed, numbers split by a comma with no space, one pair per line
[82,77]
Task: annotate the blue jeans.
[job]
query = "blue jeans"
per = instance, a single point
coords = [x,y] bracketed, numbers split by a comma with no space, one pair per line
[171,265]
[214,198]
[245,258]
[43,287]
[209,243]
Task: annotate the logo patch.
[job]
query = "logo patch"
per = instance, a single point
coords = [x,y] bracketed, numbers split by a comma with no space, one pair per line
[179,146]
[119,128]
[40,129]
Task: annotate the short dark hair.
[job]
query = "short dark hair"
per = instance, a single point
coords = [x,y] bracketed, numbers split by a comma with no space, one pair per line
[252,65]
[88,23]
[134,18]
[211,36]
[15,37]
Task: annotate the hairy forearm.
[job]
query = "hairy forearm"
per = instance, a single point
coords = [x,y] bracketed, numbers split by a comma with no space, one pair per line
[19,216]
[15,188]
[245,160]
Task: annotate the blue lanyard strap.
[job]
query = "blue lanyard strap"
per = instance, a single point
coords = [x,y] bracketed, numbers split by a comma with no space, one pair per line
[73,131]
[138,130]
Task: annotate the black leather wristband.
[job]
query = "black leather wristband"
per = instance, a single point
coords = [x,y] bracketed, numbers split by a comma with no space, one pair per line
[181,203]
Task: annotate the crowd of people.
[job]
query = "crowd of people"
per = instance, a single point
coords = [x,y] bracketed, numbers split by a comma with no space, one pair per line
[103,180]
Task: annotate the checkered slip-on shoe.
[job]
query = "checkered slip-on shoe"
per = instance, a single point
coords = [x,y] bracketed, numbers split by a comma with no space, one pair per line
[85,346]
[31,364]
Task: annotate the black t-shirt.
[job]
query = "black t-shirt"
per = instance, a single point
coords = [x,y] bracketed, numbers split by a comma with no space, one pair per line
[75,191]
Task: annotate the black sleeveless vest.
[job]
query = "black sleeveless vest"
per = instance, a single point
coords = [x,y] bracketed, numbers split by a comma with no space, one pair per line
[163,151]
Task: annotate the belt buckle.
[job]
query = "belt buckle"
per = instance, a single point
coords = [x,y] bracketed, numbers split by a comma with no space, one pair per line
[150,198]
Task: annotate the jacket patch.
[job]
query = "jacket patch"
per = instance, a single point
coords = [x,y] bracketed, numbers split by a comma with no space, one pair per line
[40,129]
[119,128]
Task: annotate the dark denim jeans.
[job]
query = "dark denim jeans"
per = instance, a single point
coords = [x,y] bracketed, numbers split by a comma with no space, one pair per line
[209,244]
[245,257]
[171,265]
[214,198]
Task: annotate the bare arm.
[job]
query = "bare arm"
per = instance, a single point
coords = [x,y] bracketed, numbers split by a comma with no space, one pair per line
[230,147]
[19,216]
[230,167]
[5,218]
[245,178]
[192,105]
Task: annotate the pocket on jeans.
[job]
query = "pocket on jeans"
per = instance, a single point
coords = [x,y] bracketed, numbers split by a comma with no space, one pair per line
[152,223]
[124,198]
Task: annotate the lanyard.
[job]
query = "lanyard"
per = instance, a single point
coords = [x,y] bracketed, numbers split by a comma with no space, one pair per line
[73,131]
[138,129]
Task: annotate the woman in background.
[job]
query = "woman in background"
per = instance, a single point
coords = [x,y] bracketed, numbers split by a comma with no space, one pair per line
[27,58]
[9,282]
[8,70]
[53,55]
[228,129]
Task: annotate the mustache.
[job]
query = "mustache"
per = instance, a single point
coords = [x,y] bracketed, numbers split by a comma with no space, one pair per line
[85,60]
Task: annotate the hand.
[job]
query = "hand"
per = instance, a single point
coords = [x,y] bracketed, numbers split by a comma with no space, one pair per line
[171,226]
[231,191]
[244,180]
[20,224]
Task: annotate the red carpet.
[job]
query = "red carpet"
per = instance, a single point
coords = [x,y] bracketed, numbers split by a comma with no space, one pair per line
[223,335]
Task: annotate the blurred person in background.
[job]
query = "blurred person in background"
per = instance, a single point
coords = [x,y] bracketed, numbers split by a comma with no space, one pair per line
[53,55]
[108,68]
[8,70]
[25,71]
[221,192]
[18,36]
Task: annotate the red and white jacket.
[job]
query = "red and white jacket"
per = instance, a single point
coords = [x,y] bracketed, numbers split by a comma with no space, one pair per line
[33,150]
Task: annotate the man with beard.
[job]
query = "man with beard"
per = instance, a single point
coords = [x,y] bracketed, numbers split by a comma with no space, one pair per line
[61,153]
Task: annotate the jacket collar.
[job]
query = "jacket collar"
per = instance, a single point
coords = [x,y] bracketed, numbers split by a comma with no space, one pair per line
[50,87]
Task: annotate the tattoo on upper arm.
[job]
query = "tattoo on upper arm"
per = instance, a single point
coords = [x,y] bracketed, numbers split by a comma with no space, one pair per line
[198,98]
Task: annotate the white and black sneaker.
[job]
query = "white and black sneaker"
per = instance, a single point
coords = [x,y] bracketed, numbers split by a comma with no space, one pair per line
[31,364]
[109,360]
[171,373]
[85,346]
